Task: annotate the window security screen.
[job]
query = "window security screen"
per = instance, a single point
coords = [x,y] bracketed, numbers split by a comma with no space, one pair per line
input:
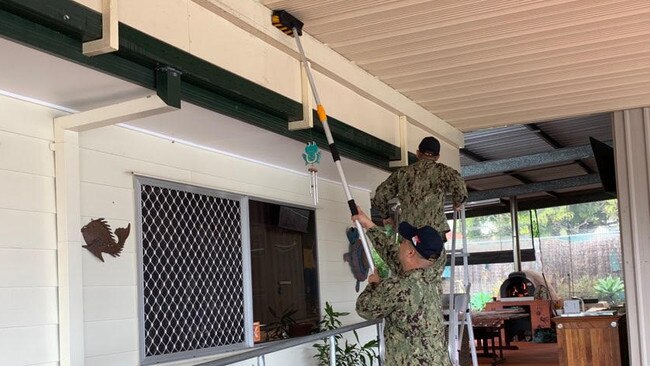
[195,272]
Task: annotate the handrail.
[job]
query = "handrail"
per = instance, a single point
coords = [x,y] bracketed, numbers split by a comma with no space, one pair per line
[293,342]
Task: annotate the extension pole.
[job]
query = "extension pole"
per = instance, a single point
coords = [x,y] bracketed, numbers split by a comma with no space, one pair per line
[322,116]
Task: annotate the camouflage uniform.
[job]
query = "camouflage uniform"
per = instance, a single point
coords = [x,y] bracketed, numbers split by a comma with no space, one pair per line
[410,302]
[421,188]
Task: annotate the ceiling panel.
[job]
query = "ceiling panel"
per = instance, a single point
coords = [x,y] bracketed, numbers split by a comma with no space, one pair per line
[487,63]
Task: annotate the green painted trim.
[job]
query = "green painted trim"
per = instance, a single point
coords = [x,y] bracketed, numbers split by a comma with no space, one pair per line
[38,36]
[343,132]
[147,50]
[67,17]
[168,86]
[256,117]
[60,26]
[412,158]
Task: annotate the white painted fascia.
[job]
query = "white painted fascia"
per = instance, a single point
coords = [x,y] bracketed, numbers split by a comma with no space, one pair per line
[255,18]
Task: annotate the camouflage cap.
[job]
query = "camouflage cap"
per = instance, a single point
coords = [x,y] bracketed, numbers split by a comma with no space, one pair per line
[426,240]
[429,145]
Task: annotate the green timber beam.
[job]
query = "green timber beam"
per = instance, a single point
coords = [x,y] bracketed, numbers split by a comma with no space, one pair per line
[60,27]
[168,86]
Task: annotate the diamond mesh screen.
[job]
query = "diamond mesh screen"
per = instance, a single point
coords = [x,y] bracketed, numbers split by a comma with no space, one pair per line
[192,271]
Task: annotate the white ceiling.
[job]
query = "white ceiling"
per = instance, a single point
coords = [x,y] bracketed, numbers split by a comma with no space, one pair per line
[40,76]
[485,63]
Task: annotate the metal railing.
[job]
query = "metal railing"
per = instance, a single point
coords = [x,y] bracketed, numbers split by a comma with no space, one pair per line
[262,351]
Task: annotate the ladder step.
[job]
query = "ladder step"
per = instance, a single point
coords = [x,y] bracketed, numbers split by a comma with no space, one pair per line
[459,255]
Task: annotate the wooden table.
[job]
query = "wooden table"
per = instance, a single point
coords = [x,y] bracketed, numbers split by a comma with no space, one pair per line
[540,311]
[592,340]
[489,325]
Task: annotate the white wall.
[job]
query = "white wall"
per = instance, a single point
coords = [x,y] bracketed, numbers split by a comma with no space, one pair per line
[28,278]
[109,155]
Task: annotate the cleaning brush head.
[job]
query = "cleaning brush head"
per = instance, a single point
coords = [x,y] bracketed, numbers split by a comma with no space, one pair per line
[286,22]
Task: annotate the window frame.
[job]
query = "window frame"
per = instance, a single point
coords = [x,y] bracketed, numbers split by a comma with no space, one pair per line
[246,270]
[313,211]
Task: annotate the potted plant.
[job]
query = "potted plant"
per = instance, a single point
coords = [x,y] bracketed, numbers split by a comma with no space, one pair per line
[279,329]
[348,354]
[611,289]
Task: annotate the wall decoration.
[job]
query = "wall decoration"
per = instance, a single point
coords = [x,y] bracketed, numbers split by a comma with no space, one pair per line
[311,156]
[99,238]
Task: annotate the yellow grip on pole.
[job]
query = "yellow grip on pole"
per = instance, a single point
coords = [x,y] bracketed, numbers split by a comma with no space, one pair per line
[322,116]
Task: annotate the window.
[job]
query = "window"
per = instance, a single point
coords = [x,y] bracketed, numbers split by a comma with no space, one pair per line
[194,263]
[577,247]
[284,270]
[580,251]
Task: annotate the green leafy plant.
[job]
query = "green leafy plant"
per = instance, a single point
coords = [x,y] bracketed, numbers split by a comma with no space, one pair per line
[611,289]
[382,267]
[279,329]
[348,353]
[479,299]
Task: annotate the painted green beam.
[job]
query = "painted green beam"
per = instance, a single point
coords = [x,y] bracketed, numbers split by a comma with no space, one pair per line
[57,43]
[60,26]
[168,85]
[84,24]
[256,117]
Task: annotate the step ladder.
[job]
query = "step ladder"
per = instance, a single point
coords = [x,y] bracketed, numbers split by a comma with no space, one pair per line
[459,309]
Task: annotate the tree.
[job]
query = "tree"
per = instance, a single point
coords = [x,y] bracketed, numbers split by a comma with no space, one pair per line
[576,219]
[488,227]
[553,221]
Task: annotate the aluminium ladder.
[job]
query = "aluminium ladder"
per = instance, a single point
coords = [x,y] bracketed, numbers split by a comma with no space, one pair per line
[458,303]
[459,310]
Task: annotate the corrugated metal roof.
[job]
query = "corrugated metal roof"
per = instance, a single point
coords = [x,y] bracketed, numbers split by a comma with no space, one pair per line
[576,131]
[506,142]
[517,141]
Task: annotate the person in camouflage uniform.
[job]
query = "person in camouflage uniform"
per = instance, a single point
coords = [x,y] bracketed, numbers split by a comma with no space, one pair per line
[409,300]
[421,189]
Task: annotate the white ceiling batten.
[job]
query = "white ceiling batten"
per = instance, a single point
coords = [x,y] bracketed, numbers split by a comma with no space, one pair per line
[256,20]
[487,63]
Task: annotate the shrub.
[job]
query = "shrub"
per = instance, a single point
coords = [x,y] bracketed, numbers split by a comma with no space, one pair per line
[351,354]
[479,300]
[611,289]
